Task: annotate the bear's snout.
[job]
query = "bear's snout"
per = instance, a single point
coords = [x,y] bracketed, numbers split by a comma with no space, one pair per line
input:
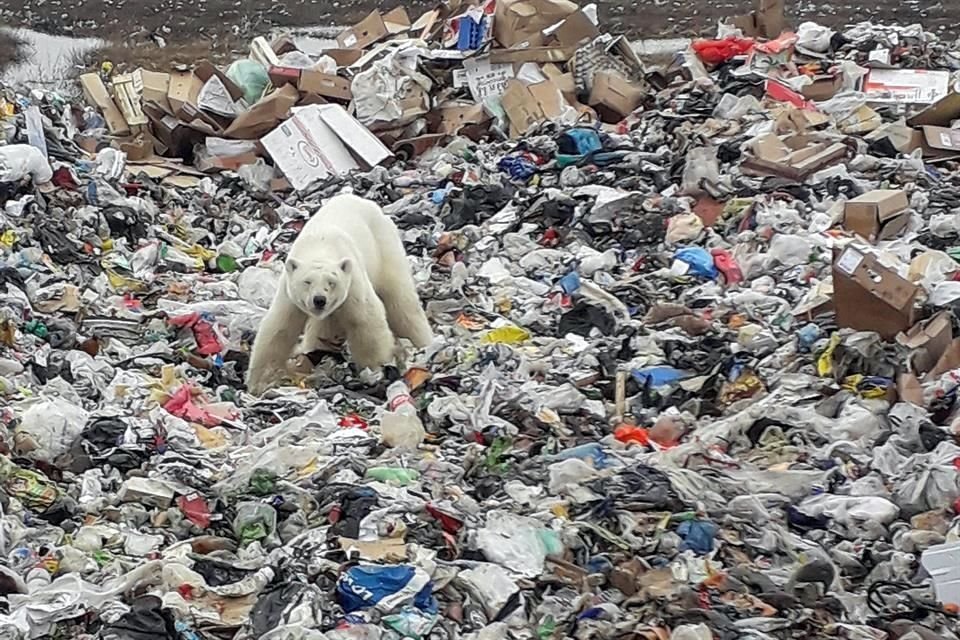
[319,302]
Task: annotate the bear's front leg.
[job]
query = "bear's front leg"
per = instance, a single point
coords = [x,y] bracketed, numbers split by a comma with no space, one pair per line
[372,344]
[277,336]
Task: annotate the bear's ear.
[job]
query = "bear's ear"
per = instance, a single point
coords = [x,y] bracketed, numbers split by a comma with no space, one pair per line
[346,265]
[292,265]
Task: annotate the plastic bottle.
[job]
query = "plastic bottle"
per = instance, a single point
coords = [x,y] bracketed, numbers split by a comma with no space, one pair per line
[400,425]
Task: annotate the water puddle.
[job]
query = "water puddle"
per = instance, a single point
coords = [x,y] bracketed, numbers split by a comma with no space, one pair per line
[49,61]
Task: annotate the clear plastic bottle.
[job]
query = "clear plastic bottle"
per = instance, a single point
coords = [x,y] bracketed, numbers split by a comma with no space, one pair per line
[400,425]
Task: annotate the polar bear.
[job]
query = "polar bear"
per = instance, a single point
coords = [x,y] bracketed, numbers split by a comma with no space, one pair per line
[346,276]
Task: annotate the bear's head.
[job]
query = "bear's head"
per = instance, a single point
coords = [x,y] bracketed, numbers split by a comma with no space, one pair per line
[319,288]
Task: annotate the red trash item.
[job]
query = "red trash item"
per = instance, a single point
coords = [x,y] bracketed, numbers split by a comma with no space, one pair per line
[629,434]
[196,509]
[727,266]
[718,51]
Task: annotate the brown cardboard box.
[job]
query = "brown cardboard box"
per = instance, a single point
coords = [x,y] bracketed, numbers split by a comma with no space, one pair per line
[344,57]
[877,215]
[454,117]
[324,84]
[574,30]
[96,94]
[564,81]
[614,97]
[139,148]
[823,88]
[869,296]
[528,105]
[766,21]
[205,70]
[532,54]
[264,116]
[184,89]
[373,28]
[940,143]
[794,157]
[156,86]
[517,20]
[941,113]
[928,341]
[903,138]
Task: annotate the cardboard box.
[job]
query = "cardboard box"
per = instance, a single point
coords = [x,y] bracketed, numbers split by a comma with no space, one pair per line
[264,116]
[205,70]
[766,21]
[156,86]
[324,84]
[373,28]
[877,215]
[518,20]
[453,118]
[344,57]
[320,141]
[824,87]
[614,97]
[532,54]
[940,144]
[528,105]
[96,95]
[928,341]
[794,157]
[903,138]
[264,52]
[906,86]
[573,31]
[941,113]
[869,296]
[184,89]
[564,81]
[127,98]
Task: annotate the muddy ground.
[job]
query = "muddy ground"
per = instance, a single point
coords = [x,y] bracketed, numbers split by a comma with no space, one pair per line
[215,28]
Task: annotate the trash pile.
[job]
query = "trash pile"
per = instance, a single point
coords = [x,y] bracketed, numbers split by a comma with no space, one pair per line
[695,371]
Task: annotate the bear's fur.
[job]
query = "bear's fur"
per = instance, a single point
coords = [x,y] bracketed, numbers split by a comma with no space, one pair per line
[347,276]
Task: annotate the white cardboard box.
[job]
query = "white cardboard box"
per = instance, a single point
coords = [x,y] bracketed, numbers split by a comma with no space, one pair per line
[322,140]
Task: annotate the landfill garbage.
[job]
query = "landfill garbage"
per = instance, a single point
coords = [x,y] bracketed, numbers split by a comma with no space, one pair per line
[695,370]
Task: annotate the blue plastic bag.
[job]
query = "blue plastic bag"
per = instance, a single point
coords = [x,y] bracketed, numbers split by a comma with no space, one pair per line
[385,588]
[658,376]
[697,536]
[700,261]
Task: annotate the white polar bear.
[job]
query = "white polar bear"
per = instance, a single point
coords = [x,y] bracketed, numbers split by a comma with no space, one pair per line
[347,275]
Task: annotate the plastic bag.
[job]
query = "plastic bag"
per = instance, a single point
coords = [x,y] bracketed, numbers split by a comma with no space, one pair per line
[701,167]
[49,428]
[250,76]
[513,542]
[17,161]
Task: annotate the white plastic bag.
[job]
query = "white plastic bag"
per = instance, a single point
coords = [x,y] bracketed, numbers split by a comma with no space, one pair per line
[48,429]
[17,161]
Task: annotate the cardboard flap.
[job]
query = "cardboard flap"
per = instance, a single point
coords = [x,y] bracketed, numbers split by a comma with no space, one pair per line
[928,340]
[942,138]
[262,117]
[940,114]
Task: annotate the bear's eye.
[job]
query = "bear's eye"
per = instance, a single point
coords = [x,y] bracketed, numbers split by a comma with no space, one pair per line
[308,282]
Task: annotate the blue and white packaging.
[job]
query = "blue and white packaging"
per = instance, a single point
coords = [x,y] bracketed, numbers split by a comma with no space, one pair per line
[385,588]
